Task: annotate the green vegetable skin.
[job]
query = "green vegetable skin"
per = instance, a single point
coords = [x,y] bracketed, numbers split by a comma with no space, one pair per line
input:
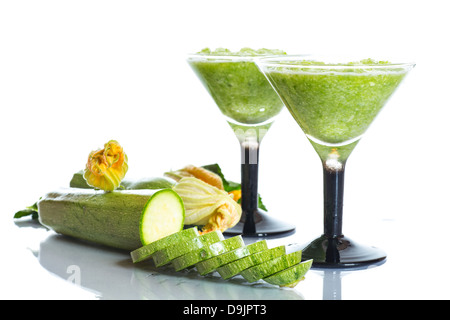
[291,276]
[115,219]
[78,181]
[272,266]
[215,249]
[239,89]
[148,250]
[229,257]
[212,264]
[234,268]
[167,254]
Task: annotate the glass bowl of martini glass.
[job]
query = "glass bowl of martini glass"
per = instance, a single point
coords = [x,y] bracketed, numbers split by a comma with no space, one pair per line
[250,105]
[334,100]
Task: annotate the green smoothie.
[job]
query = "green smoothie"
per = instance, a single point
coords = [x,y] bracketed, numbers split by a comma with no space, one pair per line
[238,87]
[334,104]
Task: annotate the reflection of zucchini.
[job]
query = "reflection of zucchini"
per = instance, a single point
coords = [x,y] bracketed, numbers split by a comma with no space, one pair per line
[124,219]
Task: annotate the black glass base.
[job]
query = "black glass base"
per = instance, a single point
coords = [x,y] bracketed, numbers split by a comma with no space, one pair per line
[262,225]
[341,252]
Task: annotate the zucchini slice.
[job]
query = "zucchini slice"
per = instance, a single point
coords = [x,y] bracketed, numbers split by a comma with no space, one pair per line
[232,269]
[166,255]
[215,249]
[270,267]
[291,276]
[162,215]
[210,265]
[146,251]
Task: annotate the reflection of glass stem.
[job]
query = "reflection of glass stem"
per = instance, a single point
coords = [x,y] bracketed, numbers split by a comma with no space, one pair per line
[332,285]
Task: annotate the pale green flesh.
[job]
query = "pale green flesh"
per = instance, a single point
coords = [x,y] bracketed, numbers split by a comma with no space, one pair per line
[270,267]
[146,251]
[234,268]
[291,276]
[163,215]
[193,257]
[210,265]
[166,255]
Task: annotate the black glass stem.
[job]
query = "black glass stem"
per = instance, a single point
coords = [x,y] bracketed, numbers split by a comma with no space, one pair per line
[333,249]
[254,222]
[333,195]
[249,186]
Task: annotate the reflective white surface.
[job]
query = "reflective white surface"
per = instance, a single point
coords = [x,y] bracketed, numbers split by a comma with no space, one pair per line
[50,266]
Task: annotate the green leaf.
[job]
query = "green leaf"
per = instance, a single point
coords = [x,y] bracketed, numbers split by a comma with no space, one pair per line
[25,213]
[227,185]
[261,204]
[28,211]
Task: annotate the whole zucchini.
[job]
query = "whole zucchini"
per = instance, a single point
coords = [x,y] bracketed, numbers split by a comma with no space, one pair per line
[78,181]
[125,219]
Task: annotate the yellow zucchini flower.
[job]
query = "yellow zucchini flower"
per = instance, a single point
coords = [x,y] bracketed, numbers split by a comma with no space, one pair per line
[107,167]
[207,206]
[197,172]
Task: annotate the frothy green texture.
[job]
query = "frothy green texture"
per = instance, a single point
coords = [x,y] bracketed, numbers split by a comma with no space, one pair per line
[335,106]
[244,52]
[238,87]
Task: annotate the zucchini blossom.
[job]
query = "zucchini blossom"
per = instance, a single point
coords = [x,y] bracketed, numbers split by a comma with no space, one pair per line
[197,172]
[107,167]
[207,206]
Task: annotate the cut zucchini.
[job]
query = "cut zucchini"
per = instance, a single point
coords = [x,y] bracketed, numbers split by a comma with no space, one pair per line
[166,255]
[161,216]
[78,181]
[148,183]
[215,249]
[234,268]
[272,266]
[210,265]
[146,251]
[117,219]
[291,276]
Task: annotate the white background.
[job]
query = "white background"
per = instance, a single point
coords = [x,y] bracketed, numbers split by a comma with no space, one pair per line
[74,74]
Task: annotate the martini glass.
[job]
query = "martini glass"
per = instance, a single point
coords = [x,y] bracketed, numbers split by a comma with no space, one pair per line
[334,101]
[250,105]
